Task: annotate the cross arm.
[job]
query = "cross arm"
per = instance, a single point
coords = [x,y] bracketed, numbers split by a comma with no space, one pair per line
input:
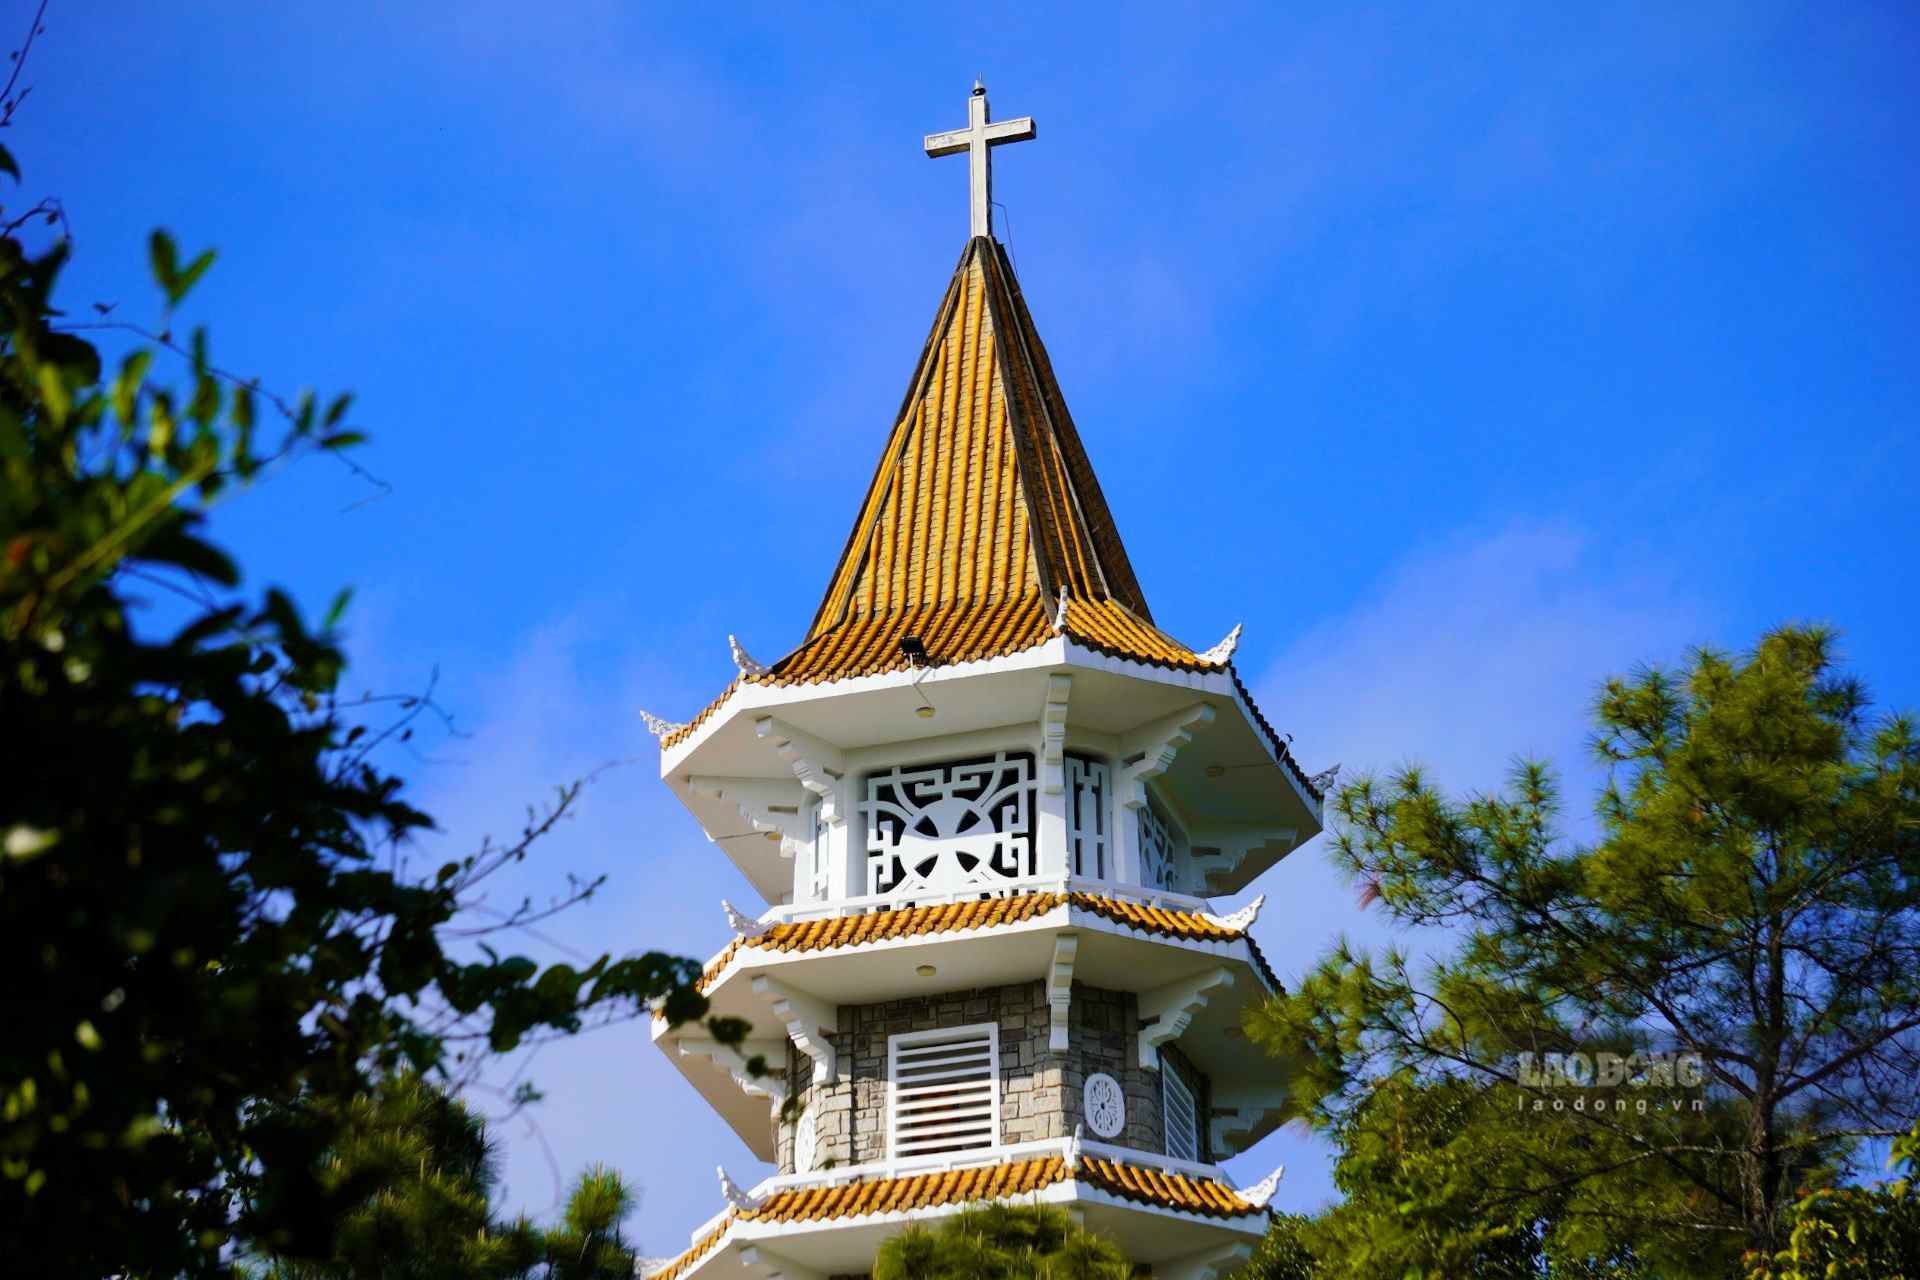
[1011,131]
[950,143]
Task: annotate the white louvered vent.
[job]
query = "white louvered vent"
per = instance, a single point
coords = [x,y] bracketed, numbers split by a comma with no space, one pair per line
[1182,1118]
[945,1090]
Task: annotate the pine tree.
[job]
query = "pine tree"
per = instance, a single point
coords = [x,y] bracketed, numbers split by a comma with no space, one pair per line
[1753,899]
[1001,1242]
[414,1176]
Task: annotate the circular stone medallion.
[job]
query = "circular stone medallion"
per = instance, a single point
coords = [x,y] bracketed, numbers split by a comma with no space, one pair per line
[805,1145]
[1105,1105]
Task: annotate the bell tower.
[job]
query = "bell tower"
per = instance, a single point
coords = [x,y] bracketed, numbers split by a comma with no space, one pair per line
[988,804]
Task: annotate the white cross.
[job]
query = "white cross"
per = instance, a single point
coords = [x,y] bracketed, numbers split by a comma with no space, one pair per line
[974,140]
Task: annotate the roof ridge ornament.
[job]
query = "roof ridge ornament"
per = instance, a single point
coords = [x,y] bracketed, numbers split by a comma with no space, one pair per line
[1222,653]
[980,135]
[742,924]
[744,660]
[661,729]
[1060,614]
[1260,1194]
[737,1198]
[1323,781]
[1241,920]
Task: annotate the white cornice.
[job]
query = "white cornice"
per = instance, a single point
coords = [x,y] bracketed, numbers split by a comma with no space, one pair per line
[749,696]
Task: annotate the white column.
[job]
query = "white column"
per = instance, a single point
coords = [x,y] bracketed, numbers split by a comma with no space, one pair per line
[847,843]
[1050,797]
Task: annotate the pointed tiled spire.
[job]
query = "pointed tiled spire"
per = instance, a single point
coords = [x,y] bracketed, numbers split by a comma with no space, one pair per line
[984,510]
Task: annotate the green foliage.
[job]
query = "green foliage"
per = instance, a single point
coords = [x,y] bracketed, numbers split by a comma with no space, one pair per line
[1282,1253]
[588,1244]
[209,938]
[1853,1233]
[1754,899]
[1001,1242]
[1447,1179]
[416,1172]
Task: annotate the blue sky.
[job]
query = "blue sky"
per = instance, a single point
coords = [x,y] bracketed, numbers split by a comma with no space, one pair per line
[1466,353]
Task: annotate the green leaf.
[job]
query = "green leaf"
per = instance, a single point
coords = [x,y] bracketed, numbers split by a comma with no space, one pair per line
[338,609]
[337,410]
[126,387]
[7,165]
[75,355]
[182,549]
[205,405]
[160,433]
[53,390]
[190,277]
[165,260]
[24,842]
[343,439]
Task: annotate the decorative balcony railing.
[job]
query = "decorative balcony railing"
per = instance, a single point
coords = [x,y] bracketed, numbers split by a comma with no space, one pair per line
[866,905]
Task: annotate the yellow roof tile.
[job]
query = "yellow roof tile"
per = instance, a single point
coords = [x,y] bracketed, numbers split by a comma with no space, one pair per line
[1142,1184]
[700,1249]
[978,913]
[983,510]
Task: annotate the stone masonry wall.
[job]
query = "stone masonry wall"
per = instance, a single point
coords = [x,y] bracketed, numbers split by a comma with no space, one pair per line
[1040,1091]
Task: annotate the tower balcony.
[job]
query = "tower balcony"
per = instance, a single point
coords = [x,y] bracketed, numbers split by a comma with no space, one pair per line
[1058,760]
[1061,980]
[1186,1220]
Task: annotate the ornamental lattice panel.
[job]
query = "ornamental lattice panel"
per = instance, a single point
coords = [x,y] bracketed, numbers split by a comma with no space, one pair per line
[950,827]
[1158,844]
[1087,816]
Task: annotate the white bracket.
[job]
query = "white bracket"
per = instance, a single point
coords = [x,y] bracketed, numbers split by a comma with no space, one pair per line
[1208,1264]
[1167,1011]
[1230,848]
[767,805]
[1060,988]
[808,1022]
[774,1267]
[735,1197]
[818,765]
[1238,1116]
[1260,1194]
[732,1059]
[661,729]
[1238,922]
[1222,653]
[1053,735]
[1150,751]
